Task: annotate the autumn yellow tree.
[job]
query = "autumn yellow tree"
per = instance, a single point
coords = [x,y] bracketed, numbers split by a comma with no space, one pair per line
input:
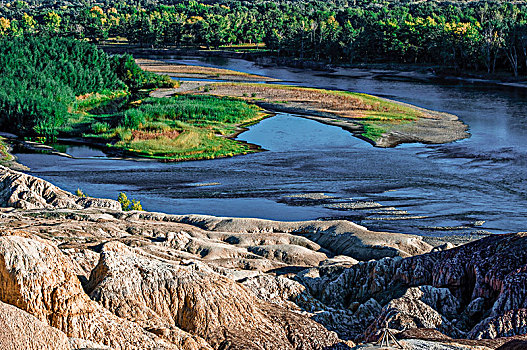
[52,22]
[5,26]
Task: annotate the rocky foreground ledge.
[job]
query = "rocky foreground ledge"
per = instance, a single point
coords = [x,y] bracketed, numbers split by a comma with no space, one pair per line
[78,273]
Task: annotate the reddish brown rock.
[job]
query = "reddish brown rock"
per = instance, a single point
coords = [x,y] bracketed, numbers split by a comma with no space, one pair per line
[514,345]
[20,330]
[486,277]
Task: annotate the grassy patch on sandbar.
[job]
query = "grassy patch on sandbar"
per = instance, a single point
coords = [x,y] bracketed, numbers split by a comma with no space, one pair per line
[375,114]
[182,127]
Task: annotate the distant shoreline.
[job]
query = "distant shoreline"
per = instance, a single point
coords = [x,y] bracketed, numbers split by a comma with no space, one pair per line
[397,71]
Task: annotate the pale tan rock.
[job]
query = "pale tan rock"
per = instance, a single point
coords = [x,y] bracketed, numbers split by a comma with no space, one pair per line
[282,291]
[288,254]
[20,330]
[83,261]
[23,191]
[337,236]
[191,297]
[36,277]
[83,344]
[339,260]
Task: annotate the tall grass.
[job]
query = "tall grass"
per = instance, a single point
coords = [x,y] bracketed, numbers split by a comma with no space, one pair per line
[182,127]
[204,109]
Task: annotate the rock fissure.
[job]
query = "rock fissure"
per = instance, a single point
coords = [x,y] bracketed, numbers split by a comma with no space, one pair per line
[157,281]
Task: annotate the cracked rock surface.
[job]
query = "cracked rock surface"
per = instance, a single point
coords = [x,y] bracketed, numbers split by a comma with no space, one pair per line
[78,273]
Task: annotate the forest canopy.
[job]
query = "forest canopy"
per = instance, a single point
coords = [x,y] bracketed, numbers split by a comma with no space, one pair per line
[464,35]
[41,79]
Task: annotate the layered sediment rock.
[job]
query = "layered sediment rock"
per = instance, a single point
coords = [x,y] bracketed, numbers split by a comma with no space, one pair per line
[338,237]
[36,277]
[103,278]
[20,330]
[477,289]
[190,296]
[23,191]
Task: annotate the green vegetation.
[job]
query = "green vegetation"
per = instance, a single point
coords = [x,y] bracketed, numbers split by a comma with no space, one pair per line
[375,114]
[178,128]
[455,36]
[80,193]
[373,131]
[5,156]
[45,81]
[127,204]
[63,87]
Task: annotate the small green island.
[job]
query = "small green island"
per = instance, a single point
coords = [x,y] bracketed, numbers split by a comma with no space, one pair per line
[66,88]
[62,88]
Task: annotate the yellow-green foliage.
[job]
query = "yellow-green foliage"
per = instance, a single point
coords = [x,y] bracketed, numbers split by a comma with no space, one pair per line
[375,114]
[80,193]
[91,100]
[179,128]
[127,204]
[373,131]
[5,156]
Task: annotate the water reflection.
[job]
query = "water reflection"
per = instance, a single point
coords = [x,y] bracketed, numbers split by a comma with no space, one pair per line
[474,184]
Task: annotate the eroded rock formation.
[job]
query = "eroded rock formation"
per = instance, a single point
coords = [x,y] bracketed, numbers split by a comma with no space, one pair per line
[92,276]
[36,277]
[20,330]
[23,191]
[190,296]
[476,290]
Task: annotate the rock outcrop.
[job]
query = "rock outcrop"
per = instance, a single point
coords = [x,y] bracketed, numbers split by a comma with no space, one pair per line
[510,323]
[338,237]
[477,289]
[36,277]
[171,297]
[419,307]
[82,275]
[20,330]
[23,191]
[514,345]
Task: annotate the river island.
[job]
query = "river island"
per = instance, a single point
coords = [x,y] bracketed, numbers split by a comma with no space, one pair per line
[142,109]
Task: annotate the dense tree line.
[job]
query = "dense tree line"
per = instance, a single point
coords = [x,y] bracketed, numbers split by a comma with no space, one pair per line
[41,79]
[479,35]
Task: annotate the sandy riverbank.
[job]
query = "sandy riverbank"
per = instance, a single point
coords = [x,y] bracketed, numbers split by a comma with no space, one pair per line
[382,122]
[197,72]
[408,124]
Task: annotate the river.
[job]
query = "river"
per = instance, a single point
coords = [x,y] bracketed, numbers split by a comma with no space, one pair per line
[470,186]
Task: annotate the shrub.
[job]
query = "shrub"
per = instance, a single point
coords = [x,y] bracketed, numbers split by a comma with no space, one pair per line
[135,78]
[133,118]
[80,193]
[99,128]
[127,204]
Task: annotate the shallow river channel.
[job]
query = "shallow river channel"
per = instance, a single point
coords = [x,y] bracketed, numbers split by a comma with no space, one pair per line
[311,170]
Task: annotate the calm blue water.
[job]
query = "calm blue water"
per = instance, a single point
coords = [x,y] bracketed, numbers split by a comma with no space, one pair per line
[412,188]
